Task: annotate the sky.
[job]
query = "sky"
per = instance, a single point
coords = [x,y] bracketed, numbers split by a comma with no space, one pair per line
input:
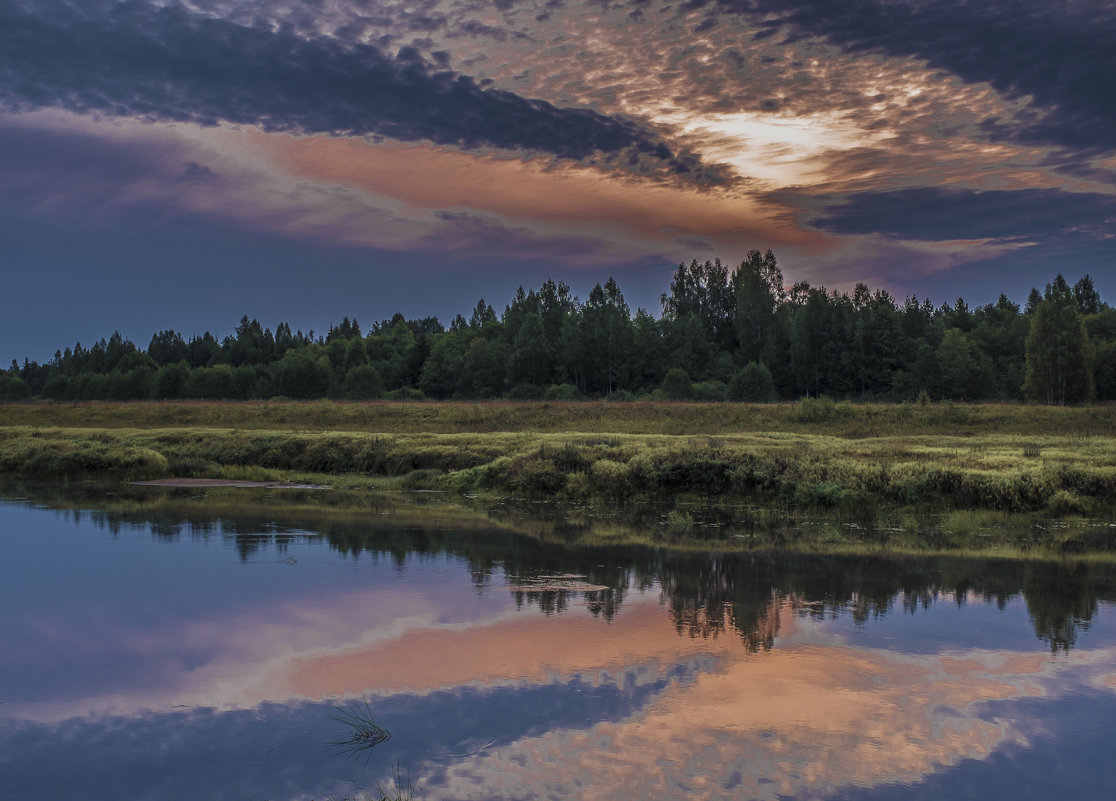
[181,163]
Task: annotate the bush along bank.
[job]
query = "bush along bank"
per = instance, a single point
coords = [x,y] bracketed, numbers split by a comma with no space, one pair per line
[802,477]
[1061,475]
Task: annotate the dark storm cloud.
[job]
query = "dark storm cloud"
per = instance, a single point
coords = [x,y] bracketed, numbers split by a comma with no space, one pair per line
[1061,55]
[168,64]
[934,213]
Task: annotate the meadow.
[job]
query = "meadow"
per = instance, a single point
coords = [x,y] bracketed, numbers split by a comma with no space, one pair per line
[813,453]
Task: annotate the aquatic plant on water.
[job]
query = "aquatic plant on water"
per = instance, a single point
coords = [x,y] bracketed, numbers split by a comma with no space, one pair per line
[363,733]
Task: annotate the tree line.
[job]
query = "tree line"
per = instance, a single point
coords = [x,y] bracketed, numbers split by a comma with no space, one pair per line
[722,334]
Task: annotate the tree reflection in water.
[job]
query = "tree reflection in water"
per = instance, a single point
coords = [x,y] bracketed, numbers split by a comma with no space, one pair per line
[707,593]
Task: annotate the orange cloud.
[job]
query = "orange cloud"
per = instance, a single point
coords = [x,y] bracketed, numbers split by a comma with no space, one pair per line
[523,648]
[816,717]
[577,198]
[813,712]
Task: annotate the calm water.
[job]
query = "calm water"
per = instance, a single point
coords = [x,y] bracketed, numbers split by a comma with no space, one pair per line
[206,656]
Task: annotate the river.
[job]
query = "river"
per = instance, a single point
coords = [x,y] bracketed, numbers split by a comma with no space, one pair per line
[191,652]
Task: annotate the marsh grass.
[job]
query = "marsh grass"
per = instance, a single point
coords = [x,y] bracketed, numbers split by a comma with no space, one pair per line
[813,454]
[402,787]
[361,734]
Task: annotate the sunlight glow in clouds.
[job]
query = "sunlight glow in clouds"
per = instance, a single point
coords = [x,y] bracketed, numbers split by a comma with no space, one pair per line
[778,151]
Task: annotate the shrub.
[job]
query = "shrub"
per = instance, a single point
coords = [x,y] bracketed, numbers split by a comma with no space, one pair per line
[610,477]
[213,383]
[406,394]
[137,462]
[133,385]
[820,494]
[332,455]
[568,459]
[533,475]
[562,392]
[421,479]
[753,384]
[1064,502]
[577,485]
[13,388]
[363,382]
[679,522]
[301,374]
[171,380]
[643,473]
[88,386]
[677,385]
[816,410]
[526,392]
[622,395]
[56,387]
[710,391]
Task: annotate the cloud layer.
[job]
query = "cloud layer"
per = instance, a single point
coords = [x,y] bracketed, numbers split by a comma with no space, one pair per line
[933,213]
[137,60]
[1057,55]
[884,141]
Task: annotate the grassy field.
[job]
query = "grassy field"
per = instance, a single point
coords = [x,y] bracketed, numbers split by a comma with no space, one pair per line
[821,416]
[1061,461]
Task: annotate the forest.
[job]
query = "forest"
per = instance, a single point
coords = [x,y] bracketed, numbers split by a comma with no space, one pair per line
[722,334]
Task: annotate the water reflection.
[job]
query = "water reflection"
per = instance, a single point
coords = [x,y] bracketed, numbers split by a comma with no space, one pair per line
[203,655]
[810,725]
[278,750]
[706,594]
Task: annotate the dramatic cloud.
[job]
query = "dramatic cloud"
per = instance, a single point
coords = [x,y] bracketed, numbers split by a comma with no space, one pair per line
[494,144]
[933,213]
[1059,55]
[134,59]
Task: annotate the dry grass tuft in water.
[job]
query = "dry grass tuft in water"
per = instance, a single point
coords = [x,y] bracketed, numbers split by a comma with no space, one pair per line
[364,733]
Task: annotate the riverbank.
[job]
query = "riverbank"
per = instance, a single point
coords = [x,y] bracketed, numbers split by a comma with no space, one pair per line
[999,458]
[348,517]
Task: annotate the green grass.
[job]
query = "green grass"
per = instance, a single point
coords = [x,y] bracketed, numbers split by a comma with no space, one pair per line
[1059,461]
[817,416]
